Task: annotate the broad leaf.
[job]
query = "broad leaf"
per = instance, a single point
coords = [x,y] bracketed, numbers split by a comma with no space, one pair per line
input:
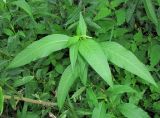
[39,49]
[94,55]
[132,111]
[99,111]
[24,5]
[82,28]
[65,84]
[123,58]
[1,100]
[150,11]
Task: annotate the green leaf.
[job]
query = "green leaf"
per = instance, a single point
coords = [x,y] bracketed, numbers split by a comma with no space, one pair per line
[103,12]
[78,92]
[121,16]
[73,54]
[99,111]
[39,49]
[158,29]
[93,26]
[123,58]
[131,10]
[23,81]
[1,100]
[150,11]
[138,37]
[72,40]
[82,69]
[120,89]
[4,1]
[155,55]
[158,2]
[116,3]
[59,68]
[24,5]
[132,111]
[91,97]
[65,84]
[94,55]
[82,28]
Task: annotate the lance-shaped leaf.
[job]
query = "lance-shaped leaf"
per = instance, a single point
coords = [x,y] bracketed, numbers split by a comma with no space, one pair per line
[132,111]
[73,54]
[150,11]
[82,69]
[123,58]
[24,5]
[65,84]
[82,28]
[39,49]
[94,55]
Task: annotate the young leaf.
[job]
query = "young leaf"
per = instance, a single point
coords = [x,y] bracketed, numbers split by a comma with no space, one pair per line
[82,28]
[1,100]
[65,84]
[123,58]
[132,111]
[73,53]
[24,5]
[23,81]
[39,49]
[99,111]
[94,55]
[150,11]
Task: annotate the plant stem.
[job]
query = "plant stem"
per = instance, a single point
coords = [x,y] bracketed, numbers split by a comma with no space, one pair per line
[40,102]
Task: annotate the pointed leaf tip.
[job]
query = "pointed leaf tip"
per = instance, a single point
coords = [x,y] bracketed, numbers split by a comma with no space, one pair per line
[82,28]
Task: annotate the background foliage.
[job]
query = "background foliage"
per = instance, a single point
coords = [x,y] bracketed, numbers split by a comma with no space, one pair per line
[132,23]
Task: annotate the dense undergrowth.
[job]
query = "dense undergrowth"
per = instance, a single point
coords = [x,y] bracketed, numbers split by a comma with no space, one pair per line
[34,79]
